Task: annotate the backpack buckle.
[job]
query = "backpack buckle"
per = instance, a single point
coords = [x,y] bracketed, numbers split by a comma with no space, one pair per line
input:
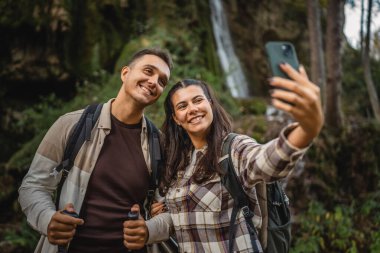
[61,167]
[150,193]
[246,212]
[65,172]
[54,173]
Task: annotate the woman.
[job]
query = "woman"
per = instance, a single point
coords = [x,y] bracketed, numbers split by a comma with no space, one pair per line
[194,129]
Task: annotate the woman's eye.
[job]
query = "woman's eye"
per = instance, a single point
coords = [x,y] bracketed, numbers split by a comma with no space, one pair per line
[198,100]
[180,107]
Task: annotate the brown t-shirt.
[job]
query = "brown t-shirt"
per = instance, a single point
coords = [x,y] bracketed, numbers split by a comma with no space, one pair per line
[119,180]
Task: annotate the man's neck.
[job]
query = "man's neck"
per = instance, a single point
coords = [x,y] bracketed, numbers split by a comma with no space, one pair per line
[126,112]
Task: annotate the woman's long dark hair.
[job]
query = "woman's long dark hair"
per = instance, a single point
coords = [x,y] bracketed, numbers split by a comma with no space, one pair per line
[178,144]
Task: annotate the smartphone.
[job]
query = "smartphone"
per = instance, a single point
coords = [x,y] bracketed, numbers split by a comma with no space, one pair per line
[279,52]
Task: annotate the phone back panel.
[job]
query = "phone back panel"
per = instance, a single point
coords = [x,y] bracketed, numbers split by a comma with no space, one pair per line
[279,52]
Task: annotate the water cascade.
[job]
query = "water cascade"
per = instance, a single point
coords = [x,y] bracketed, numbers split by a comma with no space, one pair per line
[235,77]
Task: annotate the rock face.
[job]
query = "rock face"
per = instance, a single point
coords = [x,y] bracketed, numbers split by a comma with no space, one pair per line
[32,49]
[51,47]
[253,23]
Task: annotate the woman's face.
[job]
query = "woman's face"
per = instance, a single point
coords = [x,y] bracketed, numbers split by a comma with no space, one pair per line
[192,111]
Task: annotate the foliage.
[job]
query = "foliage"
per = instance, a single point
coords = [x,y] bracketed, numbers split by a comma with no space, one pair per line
[342,168]
[338,230]
[39,117]
[20,237]
[342,180]
[355,94]
[255,106]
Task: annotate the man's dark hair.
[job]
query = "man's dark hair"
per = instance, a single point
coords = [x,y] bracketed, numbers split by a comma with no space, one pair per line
[163,54]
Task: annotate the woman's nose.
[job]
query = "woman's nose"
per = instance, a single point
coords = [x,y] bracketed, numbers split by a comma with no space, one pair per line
[192,108]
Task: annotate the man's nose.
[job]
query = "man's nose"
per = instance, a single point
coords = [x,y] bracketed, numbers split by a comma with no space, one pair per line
[153,80]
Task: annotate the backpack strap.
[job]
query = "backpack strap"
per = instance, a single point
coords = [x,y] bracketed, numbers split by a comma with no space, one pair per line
[234,187]
[155,158]
[171,245]
[261,193]
[81,133]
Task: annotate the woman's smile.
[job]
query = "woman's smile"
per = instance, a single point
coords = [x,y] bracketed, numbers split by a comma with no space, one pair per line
[193,111]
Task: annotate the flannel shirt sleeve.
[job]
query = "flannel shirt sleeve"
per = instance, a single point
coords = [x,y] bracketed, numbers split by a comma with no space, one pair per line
[38,186]
[268,162]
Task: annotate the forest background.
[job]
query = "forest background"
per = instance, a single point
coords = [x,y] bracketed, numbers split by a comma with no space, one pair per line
[58,56]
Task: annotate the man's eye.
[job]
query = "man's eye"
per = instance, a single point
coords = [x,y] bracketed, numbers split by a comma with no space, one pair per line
[148,71]
[162,82]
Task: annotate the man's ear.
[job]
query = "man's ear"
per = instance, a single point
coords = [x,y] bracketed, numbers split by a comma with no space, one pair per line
[123,72]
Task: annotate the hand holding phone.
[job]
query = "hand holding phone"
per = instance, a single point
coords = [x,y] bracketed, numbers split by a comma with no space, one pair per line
[297,95]
[280,52]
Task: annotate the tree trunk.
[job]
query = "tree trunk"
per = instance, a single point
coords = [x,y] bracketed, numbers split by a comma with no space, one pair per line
[361,25]
[318,75]
[334,34]
[367,67]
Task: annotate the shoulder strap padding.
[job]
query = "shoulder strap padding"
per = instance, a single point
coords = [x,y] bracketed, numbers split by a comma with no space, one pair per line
[154,149]
[230,179]
[261,192]
[234,187]
[155,158]
[82,131]
[80,134]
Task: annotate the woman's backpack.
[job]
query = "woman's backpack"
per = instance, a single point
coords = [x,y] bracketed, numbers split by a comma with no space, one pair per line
[275,232]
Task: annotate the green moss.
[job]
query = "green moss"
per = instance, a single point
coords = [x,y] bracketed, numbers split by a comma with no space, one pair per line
[254,105]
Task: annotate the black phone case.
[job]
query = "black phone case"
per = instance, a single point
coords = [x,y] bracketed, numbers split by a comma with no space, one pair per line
[280,52]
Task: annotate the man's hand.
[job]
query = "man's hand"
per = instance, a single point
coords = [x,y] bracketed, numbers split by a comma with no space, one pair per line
[135,231]
[61,228]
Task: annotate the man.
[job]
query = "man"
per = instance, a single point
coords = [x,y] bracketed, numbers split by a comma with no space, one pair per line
[110,172]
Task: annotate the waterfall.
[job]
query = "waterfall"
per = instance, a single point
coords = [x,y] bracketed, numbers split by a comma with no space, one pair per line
[235,77]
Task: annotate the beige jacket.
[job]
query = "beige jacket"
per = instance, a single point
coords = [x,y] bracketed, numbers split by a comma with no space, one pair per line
[38,186]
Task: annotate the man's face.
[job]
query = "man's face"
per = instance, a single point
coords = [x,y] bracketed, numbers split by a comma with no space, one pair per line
[145,79]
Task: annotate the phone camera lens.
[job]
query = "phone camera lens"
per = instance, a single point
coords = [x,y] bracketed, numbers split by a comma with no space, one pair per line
[287,50]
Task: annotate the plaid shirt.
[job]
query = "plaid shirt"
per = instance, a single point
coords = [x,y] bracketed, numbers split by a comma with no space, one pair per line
[201,213]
